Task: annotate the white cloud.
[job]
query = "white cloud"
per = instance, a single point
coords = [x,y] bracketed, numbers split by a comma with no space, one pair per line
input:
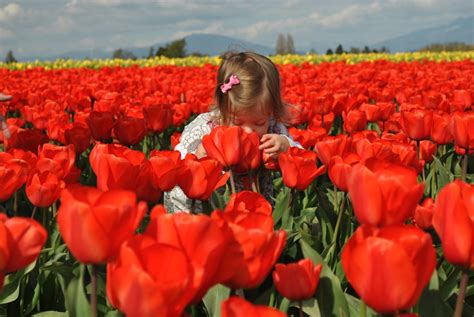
[9,12]
[350,15]
[417,3]
[64,23]
[5,33]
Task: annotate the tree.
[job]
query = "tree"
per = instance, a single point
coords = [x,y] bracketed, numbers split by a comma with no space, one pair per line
[354,50]
[151,52]
[366,50]
[10,58]
[175,49]
[339,49]
[447,47]
[329,52]
[280,45]
[123,54]
[290,44]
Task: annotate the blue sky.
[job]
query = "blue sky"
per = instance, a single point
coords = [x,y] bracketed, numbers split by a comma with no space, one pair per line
[46,27]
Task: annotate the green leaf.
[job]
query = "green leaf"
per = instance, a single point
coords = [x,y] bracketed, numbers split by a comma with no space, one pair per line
[430,302]
[76,301]
[284,305]
[331,298]
[214,297]
[51,314]
[444,175]
[114,313]
[11,286]
[310,307]
[281,205]
[354,306]
[450,285]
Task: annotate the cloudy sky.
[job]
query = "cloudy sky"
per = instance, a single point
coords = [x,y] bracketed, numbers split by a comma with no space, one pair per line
[47,27]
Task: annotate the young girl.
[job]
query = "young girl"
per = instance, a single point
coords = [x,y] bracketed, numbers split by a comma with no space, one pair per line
[247,95]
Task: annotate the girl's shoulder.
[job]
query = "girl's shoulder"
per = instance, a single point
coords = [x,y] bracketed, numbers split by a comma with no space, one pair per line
[204,120]
[277,127]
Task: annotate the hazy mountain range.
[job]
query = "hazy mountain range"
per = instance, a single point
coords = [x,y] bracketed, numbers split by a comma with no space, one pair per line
[460,30]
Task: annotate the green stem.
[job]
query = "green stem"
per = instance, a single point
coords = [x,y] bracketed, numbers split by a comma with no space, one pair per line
[34,212]
[418,155]
[232,183]
[94,291]
[300,304]
[339,218]
[462,294]
[252,180]
[362,309]
[15,203]
[464,167]
[193,206]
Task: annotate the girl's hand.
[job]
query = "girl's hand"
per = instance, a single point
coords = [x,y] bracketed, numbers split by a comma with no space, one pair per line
[274,144]
[200,151]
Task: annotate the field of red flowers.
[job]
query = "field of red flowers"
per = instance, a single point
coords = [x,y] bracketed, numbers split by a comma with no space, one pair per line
[374,216]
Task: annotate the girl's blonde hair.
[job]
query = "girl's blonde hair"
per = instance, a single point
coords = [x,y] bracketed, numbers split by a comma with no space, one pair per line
[259,86]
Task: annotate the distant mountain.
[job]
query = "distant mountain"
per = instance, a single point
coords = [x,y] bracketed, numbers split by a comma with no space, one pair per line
[212,44]
[460,30]
[207,44]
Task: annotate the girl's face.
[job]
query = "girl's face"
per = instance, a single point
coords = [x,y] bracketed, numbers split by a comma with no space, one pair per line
[252,121]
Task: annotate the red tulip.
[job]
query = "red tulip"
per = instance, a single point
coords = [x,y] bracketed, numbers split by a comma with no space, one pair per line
[62,156]
[340,167]
[166,166]
[101,125]
[28,140]
[372,112]
[199,178]
[454,222]
[234,148]
[321,103]
[389,267]
[417,123]
[307,138]
[43,188]
[261,246]
[158,117]
[462,99]
[427,151]
[354,121]
[130,130]
[299,168]
[440,131]
[156,287]
[332,146]
[79,136]
[210,248]
[175,139]
[247,201]
[25,238]
[116,166]
[94,223]
[297,281]
[12,177]
[462,129]
[383,193]
[424,214]
[236,306]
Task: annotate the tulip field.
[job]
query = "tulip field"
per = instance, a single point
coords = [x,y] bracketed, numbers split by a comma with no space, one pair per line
[373,216]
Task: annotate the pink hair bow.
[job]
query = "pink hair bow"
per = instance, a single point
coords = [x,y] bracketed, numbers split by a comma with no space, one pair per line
[233,80]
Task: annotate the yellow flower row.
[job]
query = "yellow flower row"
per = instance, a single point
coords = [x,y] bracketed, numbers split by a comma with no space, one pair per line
[278,59]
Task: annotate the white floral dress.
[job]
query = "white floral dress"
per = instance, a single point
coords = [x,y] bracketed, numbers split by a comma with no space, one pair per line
[177,201]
